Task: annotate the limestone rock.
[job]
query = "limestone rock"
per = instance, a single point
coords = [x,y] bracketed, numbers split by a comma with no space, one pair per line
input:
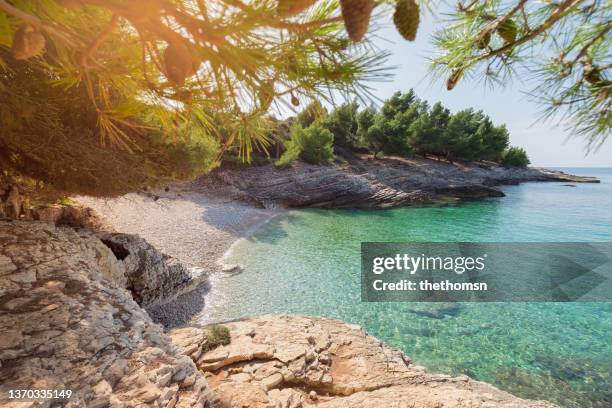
[324,363]
[151,276]
[71,325]
[366,183]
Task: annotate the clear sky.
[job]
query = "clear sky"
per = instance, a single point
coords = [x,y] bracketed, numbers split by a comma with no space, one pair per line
[546,144]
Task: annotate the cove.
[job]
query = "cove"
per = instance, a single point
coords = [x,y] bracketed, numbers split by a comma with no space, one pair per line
[308,262]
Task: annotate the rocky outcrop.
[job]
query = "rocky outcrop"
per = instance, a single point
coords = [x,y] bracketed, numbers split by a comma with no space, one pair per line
[66,322]
[297,361]
[152,277]
[16,205]
[366,183]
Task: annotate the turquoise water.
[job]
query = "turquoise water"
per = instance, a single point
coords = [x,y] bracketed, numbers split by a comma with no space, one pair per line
[308,262]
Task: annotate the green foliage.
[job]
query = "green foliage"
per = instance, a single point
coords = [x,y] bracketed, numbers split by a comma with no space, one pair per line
[399,102]
[365,120]
[128,94]
[314,112]
[291,154]
[215,336]
[461,139]
[313,144]
[376,136]
[342,122]
[46,138]
[515,157]
[563,47]
[427,131]
[407,125]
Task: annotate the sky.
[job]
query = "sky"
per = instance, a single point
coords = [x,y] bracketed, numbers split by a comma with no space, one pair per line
[547,145]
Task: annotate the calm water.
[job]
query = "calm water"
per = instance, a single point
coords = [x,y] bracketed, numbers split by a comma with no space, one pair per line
[308,262]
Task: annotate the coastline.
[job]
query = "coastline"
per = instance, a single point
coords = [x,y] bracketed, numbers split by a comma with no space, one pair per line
[222,260]
[361,182]
[170,220]
[199,227]
[200,224]
[254,218]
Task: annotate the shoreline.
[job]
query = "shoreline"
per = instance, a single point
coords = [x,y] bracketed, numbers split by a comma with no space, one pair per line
[222,220]
[198,227]
[199,224]
[247,235]
[361,182]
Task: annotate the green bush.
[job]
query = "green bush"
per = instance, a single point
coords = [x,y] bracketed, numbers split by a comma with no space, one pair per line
[215,336]
[342,123]
[289,156]
[313,144]
[51,135]
[515,157]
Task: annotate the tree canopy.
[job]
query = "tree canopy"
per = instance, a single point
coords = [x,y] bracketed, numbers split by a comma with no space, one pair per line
[166,88]
[561,47]
[406,125]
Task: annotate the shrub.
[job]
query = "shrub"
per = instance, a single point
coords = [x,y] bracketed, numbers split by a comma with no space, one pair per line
[215,336]
[313,144]
[515,157]
[291,154]
[342,123]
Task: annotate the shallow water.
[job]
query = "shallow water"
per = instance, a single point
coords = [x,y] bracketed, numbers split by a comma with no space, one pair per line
[308,262]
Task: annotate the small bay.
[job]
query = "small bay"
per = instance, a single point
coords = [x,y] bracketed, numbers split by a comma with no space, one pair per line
[308,262]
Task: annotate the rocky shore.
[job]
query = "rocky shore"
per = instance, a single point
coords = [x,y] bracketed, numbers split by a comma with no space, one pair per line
[299,361]
[362,182]
[80,303]
[69,320]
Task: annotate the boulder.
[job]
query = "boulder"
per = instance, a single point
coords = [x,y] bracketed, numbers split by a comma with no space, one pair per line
[153,277]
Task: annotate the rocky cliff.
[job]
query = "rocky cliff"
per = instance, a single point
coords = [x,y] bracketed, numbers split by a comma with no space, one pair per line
[68,321]
[365,183]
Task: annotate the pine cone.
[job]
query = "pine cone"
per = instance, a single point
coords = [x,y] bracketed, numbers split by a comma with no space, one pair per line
[453,79]
[483,42]
[592,74]
[27,42]
[507,31]
[406,18]
[179,63]
[356,15]
[292,7]
[294,100]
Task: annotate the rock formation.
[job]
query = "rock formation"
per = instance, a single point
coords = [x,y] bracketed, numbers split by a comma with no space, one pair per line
[366,183]
[68,323]
[153,277]
[297,361]
[16,205]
